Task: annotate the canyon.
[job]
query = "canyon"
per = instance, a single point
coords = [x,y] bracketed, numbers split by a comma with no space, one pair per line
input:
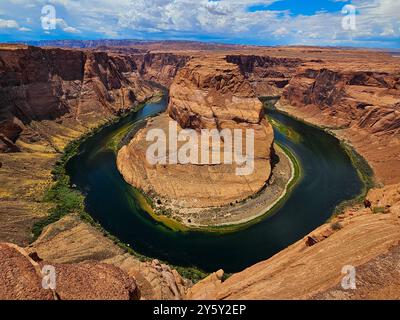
[51,96]
[205,94]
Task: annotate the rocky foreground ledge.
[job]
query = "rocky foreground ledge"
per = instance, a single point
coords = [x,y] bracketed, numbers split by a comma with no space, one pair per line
[23,277]
[366,238]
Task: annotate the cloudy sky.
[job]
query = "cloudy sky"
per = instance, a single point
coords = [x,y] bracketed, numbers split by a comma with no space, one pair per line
[373,23]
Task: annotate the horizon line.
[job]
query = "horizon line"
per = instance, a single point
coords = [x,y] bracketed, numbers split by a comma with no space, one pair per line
[30,42]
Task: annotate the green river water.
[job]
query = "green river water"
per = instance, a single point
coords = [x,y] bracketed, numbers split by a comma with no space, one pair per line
[328,178]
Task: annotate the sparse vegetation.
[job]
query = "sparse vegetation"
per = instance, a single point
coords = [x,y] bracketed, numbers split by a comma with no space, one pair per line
[365,173]
[64,199]
[167,218]
[377,210]
[285,130]
[364,170]
[191,273]
[336,226]
[67,200]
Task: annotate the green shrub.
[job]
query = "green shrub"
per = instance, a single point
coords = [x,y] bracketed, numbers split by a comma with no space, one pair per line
[336,226]
[193,274]
[378,210]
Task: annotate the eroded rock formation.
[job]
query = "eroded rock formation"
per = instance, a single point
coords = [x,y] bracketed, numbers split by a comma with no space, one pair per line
[268,75]
[208,93]
[46,91]
[72,241]
[49,97]
[161,67]
[52,96]
[359,104]
[21,279]
[365,238]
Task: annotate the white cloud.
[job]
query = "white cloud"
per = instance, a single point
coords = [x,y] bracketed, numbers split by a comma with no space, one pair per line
[388,32]
[281,31]
[61,23]
[231,19]
[71,30]
[8,24]
[224,19]
[108,32]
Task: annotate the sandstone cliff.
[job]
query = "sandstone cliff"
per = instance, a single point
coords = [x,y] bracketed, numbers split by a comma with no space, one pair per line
[268,75]
[354,93]
[44,91]
[21,279]
[161,67]
[49,97]
[208,93]
[156,66]
[359,103]
[72,241]
[366,238]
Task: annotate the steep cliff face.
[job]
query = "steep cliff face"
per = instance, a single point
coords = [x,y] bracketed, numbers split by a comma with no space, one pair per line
[347,95]
[359,106]
[49,97]
[161,67]
[268,75]
[208,93]
[353,93]
[64,86]
[366,238]
[158,67]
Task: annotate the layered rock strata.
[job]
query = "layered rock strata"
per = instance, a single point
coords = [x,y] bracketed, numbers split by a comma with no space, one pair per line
[360,106]
[207,93]
[49,97]
[47,91]
[267,75]
[367,239]
[353,92]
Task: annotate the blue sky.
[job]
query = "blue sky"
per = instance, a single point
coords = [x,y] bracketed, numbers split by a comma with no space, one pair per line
[301,7]
[260,22]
